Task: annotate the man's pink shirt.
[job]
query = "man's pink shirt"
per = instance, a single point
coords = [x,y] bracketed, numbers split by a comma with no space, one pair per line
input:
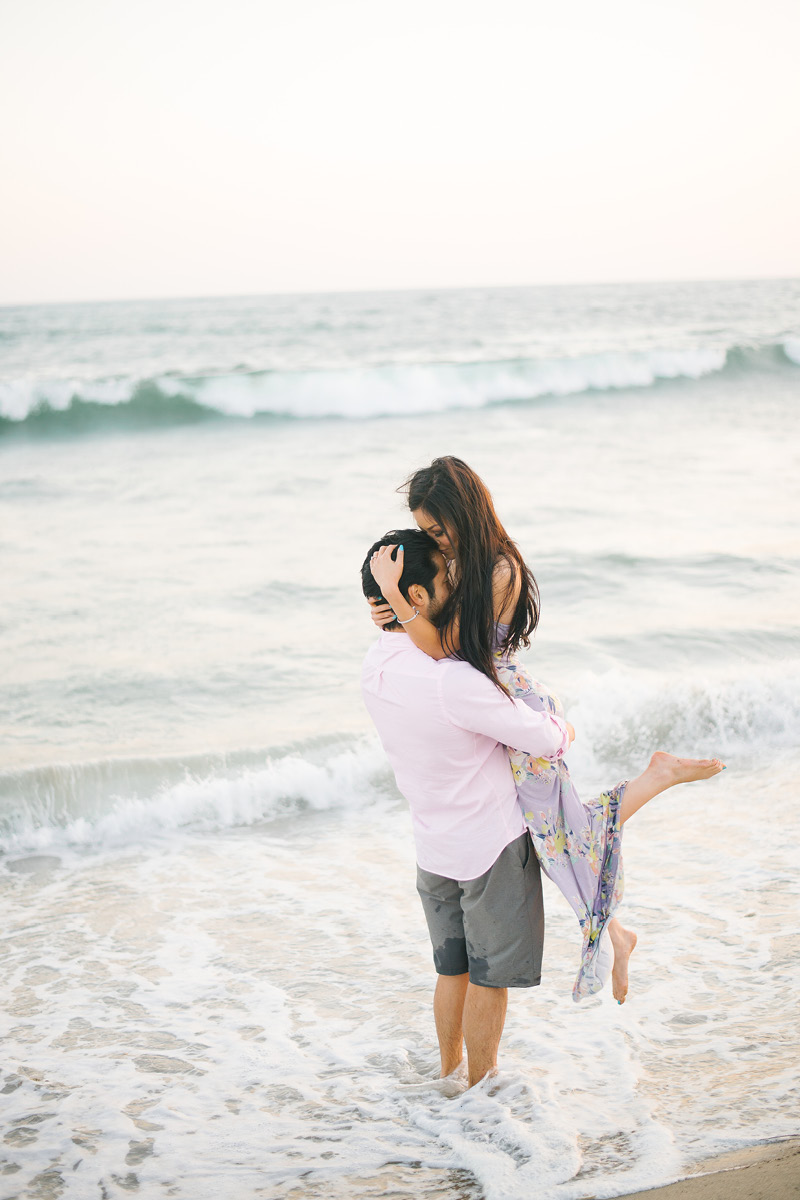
[445,728]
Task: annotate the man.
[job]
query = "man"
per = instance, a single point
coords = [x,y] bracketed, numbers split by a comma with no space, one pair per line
[444,727]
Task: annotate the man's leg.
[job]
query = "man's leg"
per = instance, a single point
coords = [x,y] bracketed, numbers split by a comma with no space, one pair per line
[448,1012]
[504,929]
[484,1018]
[441,902]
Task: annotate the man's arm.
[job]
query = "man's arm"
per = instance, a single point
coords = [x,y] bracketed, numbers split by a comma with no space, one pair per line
[472,702]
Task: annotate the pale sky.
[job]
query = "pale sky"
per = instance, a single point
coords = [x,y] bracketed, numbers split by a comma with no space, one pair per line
[182,147]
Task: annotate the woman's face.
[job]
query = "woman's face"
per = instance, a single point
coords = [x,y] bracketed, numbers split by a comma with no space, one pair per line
[441,534]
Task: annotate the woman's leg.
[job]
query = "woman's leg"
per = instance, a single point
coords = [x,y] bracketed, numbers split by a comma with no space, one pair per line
[664,771]
[624,942]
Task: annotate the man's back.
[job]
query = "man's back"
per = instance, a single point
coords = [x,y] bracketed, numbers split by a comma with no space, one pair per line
[444,728]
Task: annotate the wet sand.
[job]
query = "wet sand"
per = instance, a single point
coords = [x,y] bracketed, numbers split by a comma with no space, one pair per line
[768,1172]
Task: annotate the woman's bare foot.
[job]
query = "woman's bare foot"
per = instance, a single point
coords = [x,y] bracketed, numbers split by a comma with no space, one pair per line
[664,771]
[624,941]
[683,770]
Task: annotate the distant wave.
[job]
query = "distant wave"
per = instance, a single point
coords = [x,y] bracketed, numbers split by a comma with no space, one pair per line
[361,392]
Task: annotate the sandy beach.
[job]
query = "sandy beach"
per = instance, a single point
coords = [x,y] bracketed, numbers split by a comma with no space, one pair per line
[768,1172]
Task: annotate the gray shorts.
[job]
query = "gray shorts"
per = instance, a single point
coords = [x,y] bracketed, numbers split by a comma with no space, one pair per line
[492,926]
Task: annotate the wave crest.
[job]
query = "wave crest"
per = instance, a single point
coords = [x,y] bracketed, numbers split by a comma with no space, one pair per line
[112,802]
[361,392]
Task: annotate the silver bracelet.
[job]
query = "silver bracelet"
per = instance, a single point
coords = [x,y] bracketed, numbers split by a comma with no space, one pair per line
[410,619]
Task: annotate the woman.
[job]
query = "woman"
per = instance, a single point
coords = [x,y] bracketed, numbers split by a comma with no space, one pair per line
[492,610]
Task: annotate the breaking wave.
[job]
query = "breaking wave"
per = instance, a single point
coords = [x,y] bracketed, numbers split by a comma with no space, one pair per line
[356,393]
[621,718]
[109,802]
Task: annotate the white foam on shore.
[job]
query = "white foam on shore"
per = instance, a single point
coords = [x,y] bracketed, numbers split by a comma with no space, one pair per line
[242,1014]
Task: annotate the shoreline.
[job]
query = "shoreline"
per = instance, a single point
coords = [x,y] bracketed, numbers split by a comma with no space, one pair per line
[770,1171]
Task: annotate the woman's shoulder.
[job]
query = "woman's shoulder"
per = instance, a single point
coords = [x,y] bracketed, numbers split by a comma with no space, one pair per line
[503,571]
[505,588]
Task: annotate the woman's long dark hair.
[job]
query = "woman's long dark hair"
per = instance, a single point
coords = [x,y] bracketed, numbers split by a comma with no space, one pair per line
[454,496]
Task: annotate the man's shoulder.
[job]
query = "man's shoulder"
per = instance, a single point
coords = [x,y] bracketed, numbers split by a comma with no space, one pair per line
[375,658]
[458,678]
[373,650]
[457,668]
[396,652]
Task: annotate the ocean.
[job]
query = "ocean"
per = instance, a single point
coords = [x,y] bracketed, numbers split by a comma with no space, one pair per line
[216,972]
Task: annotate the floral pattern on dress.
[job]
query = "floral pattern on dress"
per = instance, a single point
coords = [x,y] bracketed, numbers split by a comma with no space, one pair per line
[578,845]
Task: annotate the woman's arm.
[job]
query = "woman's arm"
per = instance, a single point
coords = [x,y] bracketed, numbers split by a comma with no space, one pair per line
[380,612]
[386,572]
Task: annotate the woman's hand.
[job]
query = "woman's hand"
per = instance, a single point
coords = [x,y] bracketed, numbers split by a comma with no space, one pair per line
[381,613]
[570,731]
[386,571]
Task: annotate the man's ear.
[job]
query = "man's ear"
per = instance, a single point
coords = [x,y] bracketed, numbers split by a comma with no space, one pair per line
[417,594]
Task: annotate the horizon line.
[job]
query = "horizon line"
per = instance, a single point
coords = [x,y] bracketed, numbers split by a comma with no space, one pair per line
[355,291]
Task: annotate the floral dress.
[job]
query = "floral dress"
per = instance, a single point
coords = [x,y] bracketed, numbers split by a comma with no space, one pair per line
[578,844]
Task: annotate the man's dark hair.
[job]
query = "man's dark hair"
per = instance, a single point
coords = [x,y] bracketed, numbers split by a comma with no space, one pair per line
[420,564]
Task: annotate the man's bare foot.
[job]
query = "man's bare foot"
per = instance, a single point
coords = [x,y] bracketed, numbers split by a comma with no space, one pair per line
[683,770]
[624,941]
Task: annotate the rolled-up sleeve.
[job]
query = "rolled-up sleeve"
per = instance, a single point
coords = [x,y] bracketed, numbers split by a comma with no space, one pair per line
[471,701]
